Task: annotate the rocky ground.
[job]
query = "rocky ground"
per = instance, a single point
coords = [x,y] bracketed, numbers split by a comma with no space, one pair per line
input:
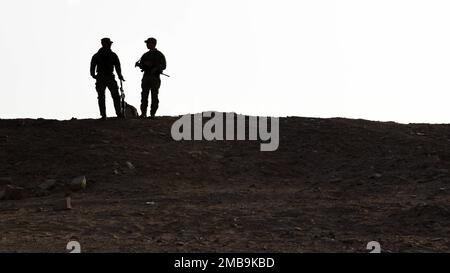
[332,186]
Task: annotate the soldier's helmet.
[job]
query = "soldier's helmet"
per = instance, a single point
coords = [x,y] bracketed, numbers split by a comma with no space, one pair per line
[150,40]
[106,41]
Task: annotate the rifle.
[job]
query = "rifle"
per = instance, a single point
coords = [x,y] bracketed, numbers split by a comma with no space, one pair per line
[122,100]
[138,64]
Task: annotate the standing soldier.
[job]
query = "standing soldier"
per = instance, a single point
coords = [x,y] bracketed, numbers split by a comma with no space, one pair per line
[152,63]
[103,62]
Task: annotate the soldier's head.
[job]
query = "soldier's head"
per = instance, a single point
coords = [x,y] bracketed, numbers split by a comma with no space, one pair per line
[106,43]
[151,43]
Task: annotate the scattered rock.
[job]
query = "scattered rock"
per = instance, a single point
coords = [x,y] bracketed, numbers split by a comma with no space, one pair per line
[65,204]
[195,153]
[167,237]
[68,202]
[424,180]
[78,183]
[336,180]
[130,165]
[13,193]
[376,175]
[116,172]
[49,184]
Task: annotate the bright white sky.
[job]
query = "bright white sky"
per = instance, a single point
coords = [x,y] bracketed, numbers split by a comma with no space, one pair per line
[372,59]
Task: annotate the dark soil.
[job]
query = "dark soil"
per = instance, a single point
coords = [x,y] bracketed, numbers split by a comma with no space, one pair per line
[332,186]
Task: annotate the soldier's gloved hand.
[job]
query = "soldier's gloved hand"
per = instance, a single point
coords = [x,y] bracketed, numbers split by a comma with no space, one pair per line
[137,64]
[121,78]
[94,76]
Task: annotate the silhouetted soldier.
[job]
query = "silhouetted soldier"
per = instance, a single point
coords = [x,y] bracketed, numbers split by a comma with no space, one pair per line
[152,63]
[104,62]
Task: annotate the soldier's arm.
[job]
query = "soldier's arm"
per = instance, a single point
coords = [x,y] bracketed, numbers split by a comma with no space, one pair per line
[163,62]
[118,68]
[93,65]
[142,63]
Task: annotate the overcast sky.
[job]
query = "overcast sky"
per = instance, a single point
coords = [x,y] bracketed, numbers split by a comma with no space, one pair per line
[380,60]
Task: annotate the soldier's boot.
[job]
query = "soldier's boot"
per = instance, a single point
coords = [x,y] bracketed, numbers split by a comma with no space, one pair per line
[143,113]
[153,111]
[143,110]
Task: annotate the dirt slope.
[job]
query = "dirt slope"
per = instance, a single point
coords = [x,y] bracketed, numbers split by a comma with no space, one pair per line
[333,185]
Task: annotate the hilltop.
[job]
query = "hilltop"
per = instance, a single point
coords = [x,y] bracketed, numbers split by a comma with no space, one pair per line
[332,185]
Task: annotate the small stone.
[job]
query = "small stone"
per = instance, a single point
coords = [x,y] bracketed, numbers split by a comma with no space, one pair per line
[68,202]
[48,184]
[376,175]
[130,165]
[78,183]
[336,180]
[167,237]
[116,172]
[65,204]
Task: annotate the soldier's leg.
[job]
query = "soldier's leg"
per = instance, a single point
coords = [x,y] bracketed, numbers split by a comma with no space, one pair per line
[145,85]
[100,86]
[156,83]
[114,89]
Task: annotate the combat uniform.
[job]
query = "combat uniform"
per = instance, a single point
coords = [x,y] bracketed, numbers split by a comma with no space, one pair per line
[104,62]
[152,63]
